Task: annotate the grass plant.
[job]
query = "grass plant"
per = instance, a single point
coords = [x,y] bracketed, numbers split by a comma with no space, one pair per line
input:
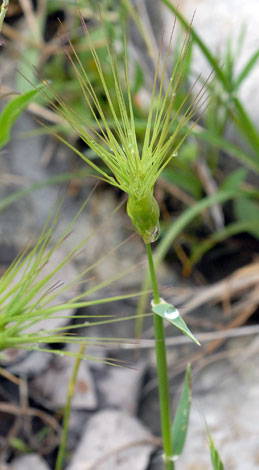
[27,297]
[133,167]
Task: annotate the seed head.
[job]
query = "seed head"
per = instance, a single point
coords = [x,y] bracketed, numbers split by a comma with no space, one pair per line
[128,164]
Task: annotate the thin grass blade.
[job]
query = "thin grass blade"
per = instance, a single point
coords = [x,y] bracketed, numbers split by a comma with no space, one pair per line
[11,112]
[216,461]
[181,419]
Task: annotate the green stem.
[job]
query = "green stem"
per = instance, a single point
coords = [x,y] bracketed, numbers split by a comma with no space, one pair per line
[3,11]
[70,393]
[161,370]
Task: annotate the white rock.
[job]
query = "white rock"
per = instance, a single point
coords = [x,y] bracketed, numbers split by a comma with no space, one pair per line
[29,462]
[121,387]
[27,363]
[231,412]
[113,440]
[217,22]
[52,386]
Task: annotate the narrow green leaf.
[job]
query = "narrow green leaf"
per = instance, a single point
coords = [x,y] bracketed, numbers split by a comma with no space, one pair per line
[171,314]
[247,69]
[18,444]
[214,455]
[245,124]
[247,210]
[26,78]
[11,112]
[234,180]
[138,79]
[229,65]
[181,419]
[244,157]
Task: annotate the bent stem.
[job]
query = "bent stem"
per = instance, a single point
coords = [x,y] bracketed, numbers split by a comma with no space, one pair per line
[161,370]
[70,393]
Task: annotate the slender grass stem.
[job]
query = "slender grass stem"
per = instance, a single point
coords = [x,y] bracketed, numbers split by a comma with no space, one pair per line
[70,393]
[3,12]
[161,370]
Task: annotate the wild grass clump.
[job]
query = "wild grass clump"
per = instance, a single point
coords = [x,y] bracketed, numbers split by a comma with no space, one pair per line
[27,297]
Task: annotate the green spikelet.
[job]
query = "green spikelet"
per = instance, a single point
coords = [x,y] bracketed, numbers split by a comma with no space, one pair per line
[144,214]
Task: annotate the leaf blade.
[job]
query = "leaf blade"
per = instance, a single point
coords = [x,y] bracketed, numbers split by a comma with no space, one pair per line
[247,69]
[181,419]
[170,313]
[11,112]
[216,461]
